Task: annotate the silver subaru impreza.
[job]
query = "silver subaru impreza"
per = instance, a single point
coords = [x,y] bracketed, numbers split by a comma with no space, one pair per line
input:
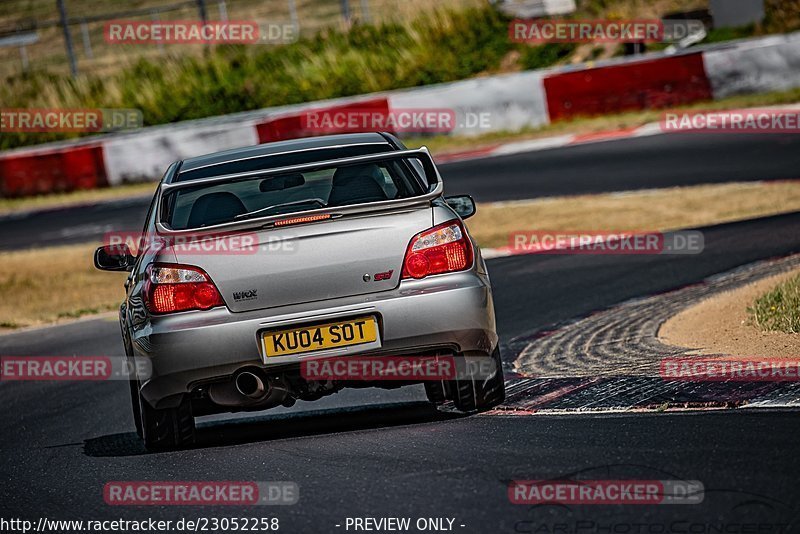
[263,275]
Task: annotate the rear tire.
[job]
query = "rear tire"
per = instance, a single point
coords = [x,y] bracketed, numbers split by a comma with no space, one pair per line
[477,393]
[169,428]
[435,392]
[135,408]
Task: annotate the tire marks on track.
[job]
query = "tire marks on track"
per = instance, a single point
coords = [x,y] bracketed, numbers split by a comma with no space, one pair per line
[623,340]
[610,359]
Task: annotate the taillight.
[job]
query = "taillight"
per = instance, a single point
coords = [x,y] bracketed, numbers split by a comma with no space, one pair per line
[174,288]
[441,249]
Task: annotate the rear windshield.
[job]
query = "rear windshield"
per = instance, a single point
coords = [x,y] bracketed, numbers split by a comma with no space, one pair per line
[212,204]
[271,161]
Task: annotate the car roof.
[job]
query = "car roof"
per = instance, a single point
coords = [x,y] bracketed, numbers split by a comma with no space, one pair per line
[292,145]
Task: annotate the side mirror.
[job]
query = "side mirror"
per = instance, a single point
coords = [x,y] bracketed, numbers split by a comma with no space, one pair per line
[114,258]
[462,204]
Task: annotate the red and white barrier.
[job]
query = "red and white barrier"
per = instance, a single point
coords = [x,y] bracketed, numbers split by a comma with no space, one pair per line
[507,102]
[49,170]
[646,84]
[747,67]
[145,155]
[300,122]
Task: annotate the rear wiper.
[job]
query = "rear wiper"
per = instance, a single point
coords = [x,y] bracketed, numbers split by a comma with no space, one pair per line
[263,211]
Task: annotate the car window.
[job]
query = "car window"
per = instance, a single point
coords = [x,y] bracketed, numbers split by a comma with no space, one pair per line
[211,204]
[272,161]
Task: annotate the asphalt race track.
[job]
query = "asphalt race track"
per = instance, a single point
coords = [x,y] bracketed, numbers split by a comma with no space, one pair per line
[622,165]
[628,164]
[374,453]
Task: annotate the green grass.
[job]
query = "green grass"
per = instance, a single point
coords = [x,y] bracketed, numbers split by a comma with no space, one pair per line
[779,309]
[718,35]
[445,45]
[440,45]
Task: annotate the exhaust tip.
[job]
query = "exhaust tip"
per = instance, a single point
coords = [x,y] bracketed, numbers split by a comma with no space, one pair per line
[250,385]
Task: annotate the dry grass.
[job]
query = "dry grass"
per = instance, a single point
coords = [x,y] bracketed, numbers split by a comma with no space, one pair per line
[660,209]
[10,205]
[54,284]
[722,324]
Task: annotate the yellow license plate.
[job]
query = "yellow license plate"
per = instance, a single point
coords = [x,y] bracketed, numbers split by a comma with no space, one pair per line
[320,337]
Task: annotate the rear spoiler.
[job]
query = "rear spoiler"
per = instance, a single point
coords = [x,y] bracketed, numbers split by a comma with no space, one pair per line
[432,176]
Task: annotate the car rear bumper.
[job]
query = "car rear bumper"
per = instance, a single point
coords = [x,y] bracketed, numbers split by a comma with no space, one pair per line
[452,312]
